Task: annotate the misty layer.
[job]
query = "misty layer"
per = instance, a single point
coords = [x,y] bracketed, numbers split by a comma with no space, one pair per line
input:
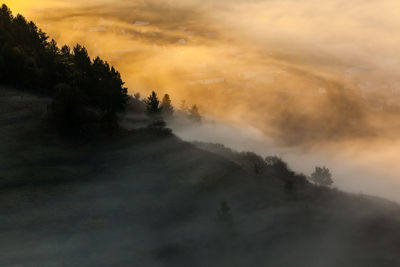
[146,199]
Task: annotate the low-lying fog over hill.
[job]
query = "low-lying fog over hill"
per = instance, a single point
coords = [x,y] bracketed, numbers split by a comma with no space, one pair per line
[357,167]
[318,81]
[146,198]
[95,174]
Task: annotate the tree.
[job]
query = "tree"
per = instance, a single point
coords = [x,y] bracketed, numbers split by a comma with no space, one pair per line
[153,103]
[109,95]
[194,114]
[81,58]
[321,176]
[166,106]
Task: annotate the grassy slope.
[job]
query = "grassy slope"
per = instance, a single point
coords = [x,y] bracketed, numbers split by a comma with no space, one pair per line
[141,199]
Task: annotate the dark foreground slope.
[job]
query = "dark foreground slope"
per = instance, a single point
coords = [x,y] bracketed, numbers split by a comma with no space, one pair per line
[144,198]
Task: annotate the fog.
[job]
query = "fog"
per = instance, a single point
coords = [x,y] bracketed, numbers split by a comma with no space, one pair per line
[356,167]
[149,199]
[314,82]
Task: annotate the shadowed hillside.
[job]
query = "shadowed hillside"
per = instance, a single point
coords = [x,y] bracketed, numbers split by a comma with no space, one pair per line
[149,199]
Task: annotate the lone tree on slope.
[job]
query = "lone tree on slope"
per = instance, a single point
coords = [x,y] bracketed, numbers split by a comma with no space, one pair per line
[322,176]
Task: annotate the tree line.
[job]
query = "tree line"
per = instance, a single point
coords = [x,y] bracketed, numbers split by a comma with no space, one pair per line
[157,107]
[84,90]
[87,94]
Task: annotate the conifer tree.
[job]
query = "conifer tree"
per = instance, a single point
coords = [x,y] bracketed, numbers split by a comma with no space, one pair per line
[153,104]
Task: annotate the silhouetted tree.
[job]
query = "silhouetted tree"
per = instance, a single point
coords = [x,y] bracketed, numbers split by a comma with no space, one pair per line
[166,106]
[153,103]
[82,60]
[321,176]
[194,114]
[109,95]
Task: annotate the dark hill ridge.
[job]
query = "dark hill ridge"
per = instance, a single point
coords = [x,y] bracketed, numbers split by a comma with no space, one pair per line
[146,198]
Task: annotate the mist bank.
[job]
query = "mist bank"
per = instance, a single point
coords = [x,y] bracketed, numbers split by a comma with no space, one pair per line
[302,72]
[357,167]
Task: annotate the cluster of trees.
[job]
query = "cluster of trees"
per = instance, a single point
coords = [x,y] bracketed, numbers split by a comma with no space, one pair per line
[155,107]
[192,111]
[78,84]
[259,166]
[87,93]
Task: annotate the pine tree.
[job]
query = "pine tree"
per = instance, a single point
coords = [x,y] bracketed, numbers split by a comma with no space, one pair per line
[153,103]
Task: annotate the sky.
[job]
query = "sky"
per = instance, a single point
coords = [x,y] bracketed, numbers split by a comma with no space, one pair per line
[321,79]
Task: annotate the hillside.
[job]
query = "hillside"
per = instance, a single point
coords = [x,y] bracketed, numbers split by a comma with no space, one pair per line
[149,199]
[90,176]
